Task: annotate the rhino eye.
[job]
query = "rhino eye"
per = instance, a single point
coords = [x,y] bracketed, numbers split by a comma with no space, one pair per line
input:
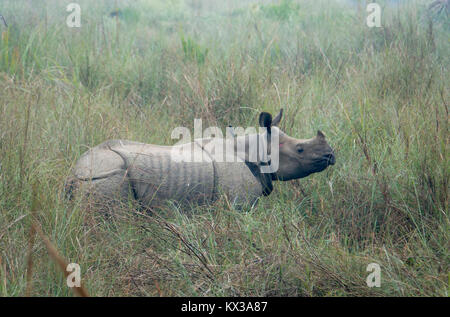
[299,150]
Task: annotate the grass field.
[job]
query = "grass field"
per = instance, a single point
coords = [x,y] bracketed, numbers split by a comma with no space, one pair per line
[379,94]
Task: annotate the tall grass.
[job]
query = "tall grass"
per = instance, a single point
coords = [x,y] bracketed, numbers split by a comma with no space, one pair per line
[380,95]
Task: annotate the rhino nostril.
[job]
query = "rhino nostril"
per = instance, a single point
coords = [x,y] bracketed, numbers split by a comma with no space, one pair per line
[330,157]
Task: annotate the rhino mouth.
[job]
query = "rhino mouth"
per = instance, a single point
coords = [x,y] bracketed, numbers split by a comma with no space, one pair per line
[328,159]
[325,161]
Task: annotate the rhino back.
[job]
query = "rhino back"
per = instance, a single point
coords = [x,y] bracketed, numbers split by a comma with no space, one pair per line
[156,176]
[100,162]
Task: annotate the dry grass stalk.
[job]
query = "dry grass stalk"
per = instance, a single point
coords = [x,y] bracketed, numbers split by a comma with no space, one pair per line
[30,261]
[60,261]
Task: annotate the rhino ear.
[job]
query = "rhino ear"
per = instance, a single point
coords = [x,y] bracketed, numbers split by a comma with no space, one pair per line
[277,119]
[265,120]
[320,134]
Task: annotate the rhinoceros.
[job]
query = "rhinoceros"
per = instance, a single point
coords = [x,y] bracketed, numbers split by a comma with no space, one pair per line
[117,170]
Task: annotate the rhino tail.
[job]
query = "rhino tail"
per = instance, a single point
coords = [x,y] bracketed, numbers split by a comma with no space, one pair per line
[70,186]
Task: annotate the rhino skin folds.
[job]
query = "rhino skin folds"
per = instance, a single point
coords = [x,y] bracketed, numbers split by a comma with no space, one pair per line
[117,169]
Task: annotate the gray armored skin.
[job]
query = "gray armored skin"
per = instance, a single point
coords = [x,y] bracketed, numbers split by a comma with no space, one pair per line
[117,170]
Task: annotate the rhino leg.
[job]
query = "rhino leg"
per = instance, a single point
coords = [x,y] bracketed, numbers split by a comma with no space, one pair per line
[237,181]
[104,193]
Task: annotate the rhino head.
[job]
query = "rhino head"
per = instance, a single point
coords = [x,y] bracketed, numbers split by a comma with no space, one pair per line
[298,158]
